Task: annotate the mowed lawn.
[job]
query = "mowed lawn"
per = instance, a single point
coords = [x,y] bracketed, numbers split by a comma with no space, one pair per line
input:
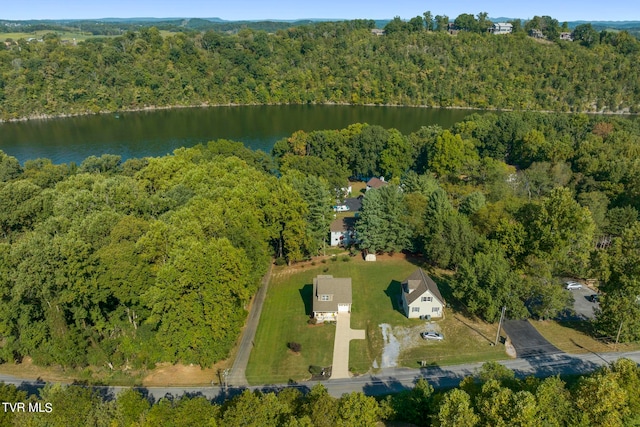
[376,289]
[577,337]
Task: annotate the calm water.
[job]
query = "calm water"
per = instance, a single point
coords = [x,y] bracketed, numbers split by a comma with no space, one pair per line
[156,133]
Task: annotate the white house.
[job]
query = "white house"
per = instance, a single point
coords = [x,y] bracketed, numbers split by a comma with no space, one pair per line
[343,231]
[421,297]
[501,28]
[330,297]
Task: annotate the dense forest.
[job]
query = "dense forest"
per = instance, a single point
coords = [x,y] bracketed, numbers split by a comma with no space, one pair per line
[331,62]
[126,264]
[492,397]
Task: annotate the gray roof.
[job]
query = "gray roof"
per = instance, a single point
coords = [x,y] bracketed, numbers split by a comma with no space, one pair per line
[343,224]
[420,283]
[339,290]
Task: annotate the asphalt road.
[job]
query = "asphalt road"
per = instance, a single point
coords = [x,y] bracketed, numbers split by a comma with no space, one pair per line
[392,379]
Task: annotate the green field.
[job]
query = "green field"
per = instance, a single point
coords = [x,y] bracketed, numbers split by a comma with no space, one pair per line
[64,35]
[375,288]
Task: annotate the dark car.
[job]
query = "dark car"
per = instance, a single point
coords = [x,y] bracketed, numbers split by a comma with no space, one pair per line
[594,298]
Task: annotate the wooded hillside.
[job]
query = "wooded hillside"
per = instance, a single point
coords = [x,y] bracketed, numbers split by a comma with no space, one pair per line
[339,62]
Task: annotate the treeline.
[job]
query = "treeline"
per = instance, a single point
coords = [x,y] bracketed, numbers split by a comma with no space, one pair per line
[337,62]
[509,201]
[492,397]
[119,27]
[127,264]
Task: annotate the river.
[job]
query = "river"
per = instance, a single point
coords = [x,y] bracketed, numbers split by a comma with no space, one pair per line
[159,132]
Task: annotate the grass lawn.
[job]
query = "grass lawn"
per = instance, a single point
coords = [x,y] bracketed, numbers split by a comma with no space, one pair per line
[465,341]
[576,337]
[376,287]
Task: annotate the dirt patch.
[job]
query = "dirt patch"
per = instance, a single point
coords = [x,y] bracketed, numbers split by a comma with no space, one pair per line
[399,339]
[167,374]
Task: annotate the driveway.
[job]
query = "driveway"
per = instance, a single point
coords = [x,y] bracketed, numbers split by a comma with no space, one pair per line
[344,334]
[527,340]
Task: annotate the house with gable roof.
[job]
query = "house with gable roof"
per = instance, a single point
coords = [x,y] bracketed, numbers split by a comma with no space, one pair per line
[421,297]
[331,295]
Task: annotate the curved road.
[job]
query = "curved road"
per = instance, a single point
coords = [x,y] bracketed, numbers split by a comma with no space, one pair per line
[392,379]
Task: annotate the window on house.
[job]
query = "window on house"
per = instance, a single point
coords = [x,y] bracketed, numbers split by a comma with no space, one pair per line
[324,298]
[423,299]
[415,309]
[435,309]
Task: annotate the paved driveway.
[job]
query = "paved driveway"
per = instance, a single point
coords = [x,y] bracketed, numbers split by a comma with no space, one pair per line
[344,334]
[581,305]
[527,340]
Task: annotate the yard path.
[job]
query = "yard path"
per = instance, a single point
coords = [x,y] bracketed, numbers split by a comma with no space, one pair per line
[344,334]
[237,377]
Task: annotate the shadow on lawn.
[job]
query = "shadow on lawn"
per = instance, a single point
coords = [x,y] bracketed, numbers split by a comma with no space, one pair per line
[306,293]
[394,292]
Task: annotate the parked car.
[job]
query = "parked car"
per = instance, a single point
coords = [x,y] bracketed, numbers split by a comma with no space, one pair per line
[594,298]
[431,336]
[341,208]
[573,285]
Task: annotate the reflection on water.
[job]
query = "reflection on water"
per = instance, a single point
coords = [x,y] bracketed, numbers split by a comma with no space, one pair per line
[156,133]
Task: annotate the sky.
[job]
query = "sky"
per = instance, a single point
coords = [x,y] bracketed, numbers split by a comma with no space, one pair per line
[562,10]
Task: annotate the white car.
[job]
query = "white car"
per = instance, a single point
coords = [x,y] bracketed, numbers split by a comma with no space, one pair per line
[341,208]
[573,285]
[431,336]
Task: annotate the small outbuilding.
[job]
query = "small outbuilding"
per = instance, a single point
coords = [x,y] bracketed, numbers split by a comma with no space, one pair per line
[421,297]
[331,295]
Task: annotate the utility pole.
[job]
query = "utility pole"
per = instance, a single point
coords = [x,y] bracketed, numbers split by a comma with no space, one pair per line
[618,336]
[504,308]
[225,374]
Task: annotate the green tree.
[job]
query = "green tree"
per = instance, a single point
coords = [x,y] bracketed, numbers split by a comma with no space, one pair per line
[620,306]
[9,167]
[487,283]
[357,409]
[456,410]
[382,226]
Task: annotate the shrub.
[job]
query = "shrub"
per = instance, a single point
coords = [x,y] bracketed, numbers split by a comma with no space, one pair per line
[334,258]
[346,258]
[294,346]
[315,370]
[280,261]
[324,261]
[313,263]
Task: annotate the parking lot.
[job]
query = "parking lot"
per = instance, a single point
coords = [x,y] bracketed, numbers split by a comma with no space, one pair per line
[581,305]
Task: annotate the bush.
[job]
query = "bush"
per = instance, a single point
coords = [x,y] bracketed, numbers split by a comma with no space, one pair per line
[312,321]
[313,263]
[315,370]
[280,261]
[334,258]
[346,258]
[294,346]
[324,261]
